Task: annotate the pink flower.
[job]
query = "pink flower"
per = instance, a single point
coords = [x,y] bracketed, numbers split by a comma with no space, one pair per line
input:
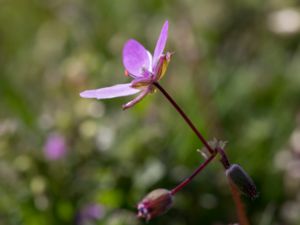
[88,213]
[139,64]
[55,147]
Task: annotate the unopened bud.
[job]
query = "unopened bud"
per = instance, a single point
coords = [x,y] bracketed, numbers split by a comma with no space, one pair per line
[154,204]
[242,180]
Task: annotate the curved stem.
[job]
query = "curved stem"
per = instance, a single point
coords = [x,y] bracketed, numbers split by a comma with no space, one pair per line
[184,116]
[190,178]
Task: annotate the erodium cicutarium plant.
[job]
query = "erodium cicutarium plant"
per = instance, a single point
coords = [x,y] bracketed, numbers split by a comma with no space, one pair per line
[146,70]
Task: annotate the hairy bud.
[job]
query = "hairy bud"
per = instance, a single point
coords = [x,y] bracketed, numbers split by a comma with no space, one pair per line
[242,180]
[154,204]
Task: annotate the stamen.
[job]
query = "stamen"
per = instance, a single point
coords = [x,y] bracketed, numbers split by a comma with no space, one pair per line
[126,73]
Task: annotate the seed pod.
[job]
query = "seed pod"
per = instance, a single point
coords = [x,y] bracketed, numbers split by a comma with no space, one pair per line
[154,204]
[242,180]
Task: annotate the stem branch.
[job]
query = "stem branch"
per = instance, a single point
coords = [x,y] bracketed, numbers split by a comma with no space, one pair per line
[190,178]
[241,213]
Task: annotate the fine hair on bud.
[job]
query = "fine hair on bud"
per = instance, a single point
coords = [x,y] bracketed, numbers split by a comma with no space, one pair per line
[154,204]
[242,180]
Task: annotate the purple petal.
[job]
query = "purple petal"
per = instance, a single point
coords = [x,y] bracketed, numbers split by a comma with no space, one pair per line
[135,58]
[137,99]
[110,92]
[161,43]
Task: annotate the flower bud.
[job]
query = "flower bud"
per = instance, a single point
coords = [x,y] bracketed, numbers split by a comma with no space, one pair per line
[242,180]
[154,204]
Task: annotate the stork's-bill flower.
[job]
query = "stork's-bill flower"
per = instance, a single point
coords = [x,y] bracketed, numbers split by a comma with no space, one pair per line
[139,64]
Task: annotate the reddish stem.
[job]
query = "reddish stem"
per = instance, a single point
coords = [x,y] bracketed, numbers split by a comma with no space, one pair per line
[184,116]
[241,213]
[224,159]
[190,178]
[240,208]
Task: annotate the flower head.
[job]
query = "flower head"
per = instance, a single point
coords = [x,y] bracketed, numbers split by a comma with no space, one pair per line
[155,203]
[55,147]
[139,64]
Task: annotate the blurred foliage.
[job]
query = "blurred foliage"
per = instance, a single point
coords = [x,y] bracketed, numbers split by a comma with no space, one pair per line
[235,71]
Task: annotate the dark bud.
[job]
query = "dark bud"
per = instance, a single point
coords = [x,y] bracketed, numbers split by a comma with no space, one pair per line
[242,180]
[154,204]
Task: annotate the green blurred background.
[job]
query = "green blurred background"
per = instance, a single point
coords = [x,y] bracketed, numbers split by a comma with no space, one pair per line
[235,72]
